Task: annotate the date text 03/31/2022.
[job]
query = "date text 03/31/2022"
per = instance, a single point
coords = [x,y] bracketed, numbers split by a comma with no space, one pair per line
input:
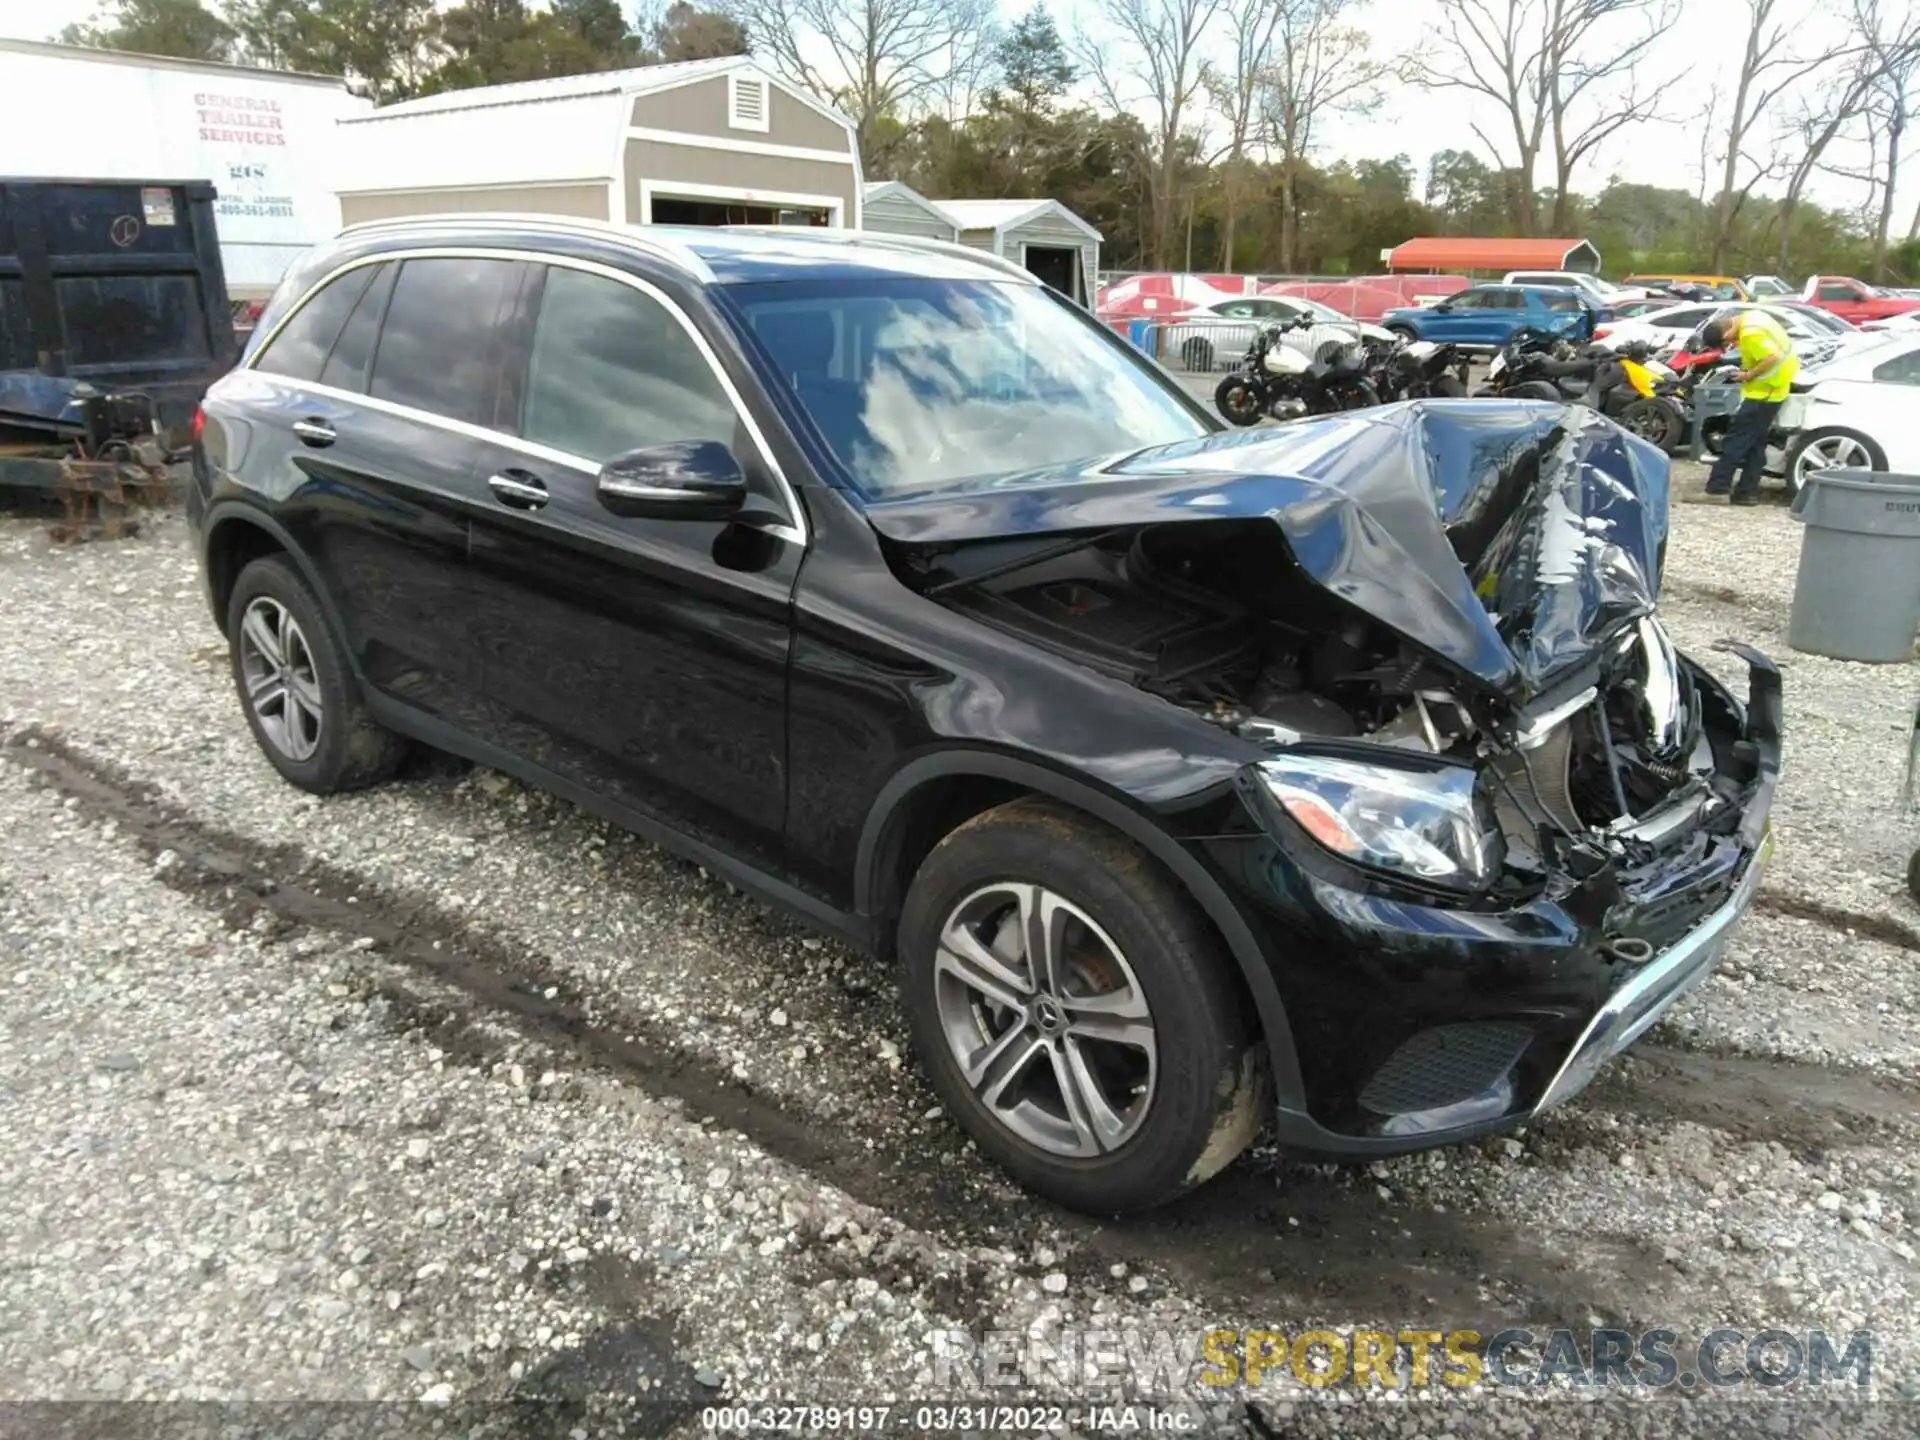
[983,1418]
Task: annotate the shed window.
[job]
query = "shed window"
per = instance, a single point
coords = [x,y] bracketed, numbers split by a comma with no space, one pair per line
[747,102]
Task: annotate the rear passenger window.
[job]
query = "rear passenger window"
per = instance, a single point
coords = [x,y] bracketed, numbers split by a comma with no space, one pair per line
[347,366]
[300,350]
[436,348]
[612,371]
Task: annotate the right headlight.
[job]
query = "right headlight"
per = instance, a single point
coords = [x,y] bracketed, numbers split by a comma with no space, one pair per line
[1430,825]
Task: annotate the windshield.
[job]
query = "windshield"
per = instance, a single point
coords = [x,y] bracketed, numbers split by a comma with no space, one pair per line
[920,384]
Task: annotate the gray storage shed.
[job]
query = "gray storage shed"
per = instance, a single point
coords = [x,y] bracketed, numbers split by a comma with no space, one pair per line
[893,208]
[1042,236]
[701,142]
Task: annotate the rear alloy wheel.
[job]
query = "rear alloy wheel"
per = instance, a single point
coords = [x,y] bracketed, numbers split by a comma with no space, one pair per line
[1074,1013]
[1819,450]
[277,675]
[300,699]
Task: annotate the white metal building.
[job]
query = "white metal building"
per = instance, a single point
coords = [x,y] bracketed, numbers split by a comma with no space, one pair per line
[1041,235]
[264,138]
[894,208]
[702,142]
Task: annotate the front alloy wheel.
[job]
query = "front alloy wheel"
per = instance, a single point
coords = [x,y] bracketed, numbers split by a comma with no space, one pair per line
[282,686]
[1074,1010]
[1045,1019]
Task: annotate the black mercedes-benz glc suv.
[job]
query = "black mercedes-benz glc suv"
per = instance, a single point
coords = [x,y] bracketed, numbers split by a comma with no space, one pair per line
[1337,776]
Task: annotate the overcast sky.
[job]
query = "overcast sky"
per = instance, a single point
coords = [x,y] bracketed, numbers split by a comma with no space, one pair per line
[1699,51]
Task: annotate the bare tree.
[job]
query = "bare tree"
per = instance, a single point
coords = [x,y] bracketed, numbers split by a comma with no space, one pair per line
[1495,48]
[1155,66]
[1893,47]
[1235,90]
[1563,72]
[1769,66]
[878,60]
[1831,108]
[1594,85]
[1319,67]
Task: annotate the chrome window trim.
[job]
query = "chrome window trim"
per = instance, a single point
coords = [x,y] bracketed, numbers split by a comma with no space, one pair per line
[793,529]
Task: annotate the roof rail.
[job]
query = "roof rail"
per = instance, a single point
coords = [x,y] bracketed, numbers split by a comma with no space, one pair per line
[885,239]
[632,236]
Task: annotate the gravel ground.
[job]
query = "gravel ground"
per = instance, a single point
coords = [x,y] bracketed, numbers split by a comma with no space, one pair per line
[310,1100]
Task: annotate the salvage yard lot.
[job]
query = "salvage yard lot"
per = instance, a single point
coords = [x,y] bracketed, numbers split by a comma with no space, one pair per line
[448,1089]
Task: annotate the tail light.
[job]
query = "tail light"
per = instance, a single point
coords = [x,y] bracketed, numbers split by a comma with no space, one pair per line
[199,423]
[1601,332]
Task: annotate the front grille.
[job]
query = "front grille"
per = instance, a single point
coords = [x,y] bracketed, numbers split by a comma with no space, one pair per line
[1444,1066]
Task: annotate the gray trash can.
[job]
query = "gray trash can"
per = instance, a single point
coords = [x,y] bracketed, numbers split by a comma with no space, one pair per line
[1857,594]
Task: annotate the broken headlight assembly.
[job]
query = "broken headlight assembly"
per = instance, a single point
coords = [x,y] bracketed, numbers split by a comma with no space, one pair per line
[1432,825]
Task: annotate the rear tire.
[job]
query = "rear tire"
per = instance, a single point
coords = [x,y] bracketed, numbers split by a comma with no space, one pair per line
[1158,1112]
[1657,421]
[1533,390]
[1833,448]
[1447,387]
[295,688]
[1197,356]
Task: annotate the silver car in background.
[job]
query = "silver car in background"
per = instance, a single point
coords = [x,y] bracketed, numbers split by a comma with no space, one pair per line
[1217,335]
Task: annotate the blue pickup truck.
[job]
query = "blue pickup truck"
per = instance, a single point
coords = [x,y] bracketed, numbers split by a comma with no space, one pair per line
[1484,317]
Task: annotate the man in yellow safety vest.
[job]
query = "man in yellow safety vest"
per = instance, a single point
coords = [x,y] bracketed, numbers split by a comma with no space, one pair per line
[1767,368]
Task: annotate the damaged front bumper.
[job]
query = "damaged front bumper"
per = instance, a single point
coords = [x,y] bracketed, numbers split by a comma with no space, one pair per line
[1417,1025]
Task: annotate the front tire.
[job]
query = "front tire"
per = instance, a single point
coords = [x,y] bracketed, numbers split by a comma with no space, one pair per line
[299,697]
[1197,356]
[1236,400]
[1074,1012]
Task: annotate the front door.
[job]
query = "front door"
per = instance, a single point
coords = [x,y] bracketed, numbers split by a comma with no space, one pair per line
[644,660]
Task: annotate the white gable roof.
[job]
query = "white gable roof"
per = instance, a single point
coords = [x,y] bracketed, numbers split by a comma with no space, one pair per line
[1004,215]
[532,132]
[899,190]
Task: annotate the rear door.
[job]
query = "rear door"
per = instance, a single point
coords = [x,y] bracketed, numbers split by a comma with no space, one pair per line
[380,418]
[1481,316]
[642,660]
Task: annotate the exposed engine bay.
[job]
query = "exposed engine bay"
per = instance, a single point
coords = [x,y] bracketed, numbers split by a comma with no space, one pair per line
[1218,619]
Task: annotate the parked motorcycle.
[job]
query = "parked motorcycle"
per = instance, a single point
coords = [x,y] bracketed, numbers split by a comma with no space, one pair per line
[1536,365]
[1278,381]
[1628,385]
[1416,369]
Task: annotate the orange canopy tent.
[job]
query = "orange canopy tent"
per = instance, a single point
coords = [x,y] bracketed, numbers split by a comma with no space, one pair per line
[1449,252]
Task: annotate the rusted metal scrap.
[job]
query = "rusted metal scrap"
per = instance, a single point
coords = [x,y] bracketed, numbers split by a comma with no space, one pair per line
[97,494]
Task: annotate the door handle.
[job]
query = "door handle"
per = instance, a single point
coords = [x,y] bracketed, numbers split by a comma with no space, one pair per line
[518,489]
[317,433]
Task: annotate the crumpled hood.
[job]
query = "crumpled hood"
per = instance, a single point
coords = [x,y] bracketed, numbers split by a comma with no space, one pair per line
[1507,538]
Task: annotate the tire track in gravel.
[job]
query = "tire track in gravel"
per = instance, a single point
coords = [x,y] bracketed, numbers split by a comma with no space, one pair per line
[1261,1235]
[1883,928]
